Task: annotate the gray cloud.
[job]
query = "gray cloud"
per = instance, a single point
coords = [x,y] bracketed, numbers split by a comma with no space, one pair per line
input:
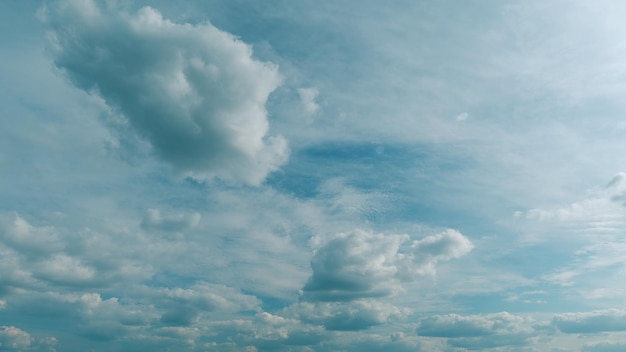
[361,264]
[193,91]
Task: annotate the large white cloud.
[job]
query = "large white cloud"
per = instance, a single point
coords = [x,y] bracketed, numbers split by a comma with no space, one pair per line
[362,264]
[193,91]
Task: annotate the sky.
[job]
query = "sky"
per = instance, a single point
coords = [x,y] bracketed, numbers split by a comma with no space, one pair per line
[237,175]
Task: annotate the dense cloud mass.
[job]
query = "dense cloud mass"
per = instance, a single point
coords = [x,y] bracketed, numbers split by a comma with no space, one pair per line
[193,91]
[361,264]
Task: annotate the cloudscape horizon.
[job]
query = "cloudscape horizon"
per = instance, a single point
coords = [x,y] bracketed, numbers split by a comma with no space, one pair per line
[312,176]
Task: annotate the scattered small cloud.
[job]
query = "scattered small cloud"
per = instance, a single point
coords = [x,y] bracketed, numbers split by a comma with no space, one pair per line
[308,98]
[462,116]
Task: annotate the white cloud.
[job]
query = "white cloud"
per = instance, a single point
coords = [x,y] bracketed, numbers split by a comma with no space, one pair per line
[478,332]
[170,223]
[21,236]
[46,255]
[598,214]
[429,251]
[13,339]
[307,98]
[362,264]
[65,270]
[345,316]
[593,227]
[193,91]
[591,322]
[604,347]
[462,116]
[336,196]
[454,325]
[184,306]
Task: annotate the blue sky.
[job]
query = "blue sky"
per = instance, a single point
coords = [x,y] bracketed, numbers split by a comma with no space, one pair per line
[312,176]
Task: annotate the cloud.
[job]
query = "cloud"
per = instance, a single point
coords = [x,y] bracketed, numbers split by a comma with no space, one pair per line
[307,98]
[18,234]
[154,220]
[462,116]
[184,306]
[477,332]
[600,213]
[108,319]
[194,92]
[345,316]
[593,226]
[454,325]
[13,339]
[591,322]
[355,265]
[361,264]
[605,347]
[397,341]
[46,255]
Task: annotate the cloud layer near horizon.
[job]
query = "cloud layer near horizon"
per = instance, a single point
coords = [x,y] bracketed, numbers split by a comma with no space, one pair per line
[192,91]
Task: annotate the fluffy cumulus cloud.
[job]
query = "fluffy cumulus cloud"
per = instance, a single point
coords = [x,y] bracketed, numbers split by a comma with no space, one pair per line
[13,339]
[352,271]
[362,264]
[33,256]
[591,322]
[193,92]
[185,306]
